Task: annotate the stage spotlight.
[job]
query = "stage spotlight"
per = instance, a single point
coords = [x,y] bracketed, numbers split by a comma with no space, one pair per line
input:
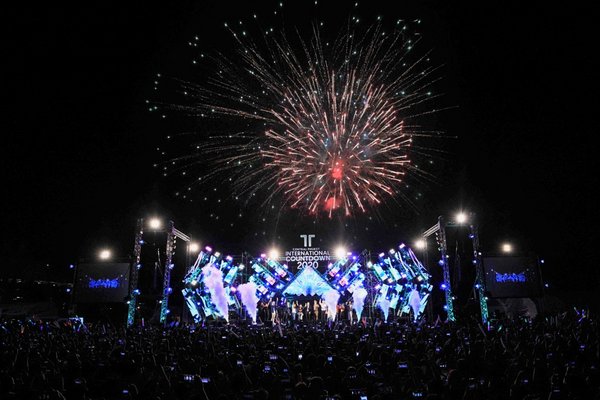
[193,247]
[104,254]
[273,254]
[341,252]
[420,244]
[507,248]
[154,223]
[461,218]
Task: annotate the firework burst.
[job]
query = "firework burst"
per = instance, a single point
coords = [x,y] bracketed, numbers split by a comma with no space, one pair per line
[324,126]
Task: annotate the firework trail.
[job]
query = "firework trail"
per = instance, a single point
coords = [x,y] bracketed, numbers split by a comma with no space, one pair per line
[324,126]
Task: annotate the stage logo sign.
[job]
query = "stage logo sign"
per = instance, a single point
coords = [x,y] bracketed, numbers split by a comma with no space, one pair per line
[307,256]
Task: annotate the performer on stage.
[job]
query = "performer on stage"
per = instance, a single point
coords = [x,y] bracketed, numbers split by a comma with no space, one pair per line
[300,312]
[273,307]
[264,311]
[324,309]
[316,310]
[340,311]
[294,311]
[350,310]
[282,310]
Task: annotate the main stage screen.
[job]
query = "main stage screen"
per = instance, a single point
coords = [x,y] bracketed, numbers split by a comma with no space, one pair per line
[512,276]
[101,283]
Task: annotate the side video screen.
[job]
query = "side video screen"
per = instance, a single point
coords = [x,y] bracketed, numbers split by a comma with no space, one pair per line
[101,283]
[512,276]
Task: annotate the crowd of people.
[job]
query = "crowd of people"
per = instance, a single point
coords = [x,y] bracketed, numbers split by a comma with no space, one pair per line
[548,358]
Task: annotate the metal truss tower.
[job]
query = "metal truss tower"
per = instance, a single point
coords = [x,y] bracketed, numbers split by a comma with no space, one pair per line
[134,272]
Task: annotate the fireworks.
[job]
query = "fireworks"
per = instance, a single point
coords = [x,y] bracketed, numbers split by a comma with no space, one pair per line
[324,126]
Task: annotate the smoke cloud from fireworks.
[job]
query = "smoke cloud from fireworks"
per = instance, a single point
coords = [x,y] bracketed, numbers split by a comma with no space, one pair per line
[213,279]
[384,304]
[414,300]
[358,301]
[247,292]
[331,298]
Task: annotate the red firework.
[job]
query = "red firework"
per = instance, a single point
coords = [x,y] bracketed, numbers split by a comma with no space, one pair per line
[335,120]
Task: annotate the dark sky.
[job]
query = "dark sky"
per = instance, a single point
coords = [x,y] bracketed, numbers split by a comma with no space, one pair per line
[79,145]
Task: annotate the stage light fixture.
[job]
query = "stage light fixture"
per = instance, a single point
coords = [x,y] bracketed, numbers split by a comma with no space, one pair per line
[105,254]
[193,247]
[461,217]
[273,254]
[155,223]
[341,252]
[507,248]
[420,244]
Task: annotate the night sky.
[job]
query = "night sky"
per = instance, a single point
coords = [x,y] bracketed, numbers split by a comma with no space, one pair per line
[79,144]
